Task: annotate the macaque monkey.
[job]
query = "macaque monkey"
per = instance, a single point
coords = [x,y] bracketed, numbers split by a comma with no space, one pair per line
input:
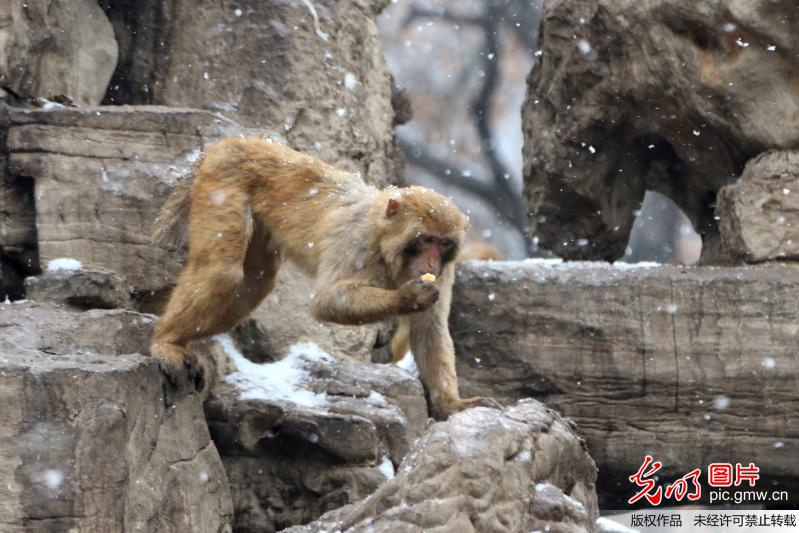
[479,250]
[254,203]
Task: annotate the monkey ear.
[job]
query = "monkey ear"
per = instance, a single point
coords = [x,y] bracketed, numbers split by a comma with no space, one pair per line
[392,208]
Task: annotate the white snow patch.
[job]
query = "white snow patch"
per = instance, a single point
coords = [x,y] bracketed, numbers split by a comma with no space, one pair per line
[64,263]
[721,402]
[52,478]
[559,264]
[203,476]
[671,309]
[276,381]
[194,155]
[224,105]
[768,363]
[779,444]
[315,16]
[386,468]
[771,48]
[584,47]
[408,363]
[350,81]
[47,105]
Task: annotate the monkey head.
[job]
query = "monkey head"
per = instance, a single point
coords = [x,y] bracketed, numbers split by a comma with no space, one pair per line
[421,232]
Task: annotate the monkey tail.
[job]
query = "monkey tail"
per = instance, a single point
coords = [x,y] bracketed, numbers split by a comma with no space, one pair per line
[170,226]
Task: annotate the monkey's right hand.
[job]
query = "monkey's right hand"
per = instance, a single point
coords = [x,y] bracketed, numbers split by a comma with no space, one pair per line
[417,295]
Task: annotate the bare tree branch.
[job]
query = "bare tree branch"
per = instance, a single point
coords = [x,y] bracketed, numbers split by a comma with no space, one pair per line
[496,191]
[507,206]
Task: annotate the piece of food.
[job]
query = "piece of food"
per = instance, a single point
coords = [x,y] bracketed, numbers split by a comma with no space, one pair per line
[428,277]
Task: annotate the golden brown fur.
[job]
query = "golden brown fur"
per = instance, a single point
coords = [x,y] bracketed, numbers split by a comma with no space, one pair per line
[254,203]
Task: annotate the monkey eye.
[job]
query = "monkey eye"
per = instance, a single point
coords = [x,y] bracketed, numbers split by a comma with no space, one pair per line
[447,243]
[427,239]
[411,249]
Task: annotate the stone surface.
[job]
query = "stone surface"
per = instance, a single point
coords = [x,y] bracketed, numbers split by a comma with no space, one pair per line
[295,450]
[101,175]
[88,439]
[57,48]
[83,289]
[691,365]
[313,70]
[759,214]
[480,471]
[633,95]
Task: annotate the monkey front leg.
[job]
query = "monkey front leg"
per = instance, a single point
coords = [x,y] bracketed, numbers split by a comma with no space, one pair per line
[353,303]
[434,354]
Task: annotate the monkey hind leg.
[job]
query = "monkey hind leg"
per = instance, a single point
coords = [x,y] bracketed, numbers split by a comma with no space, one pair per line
[205,296]
[401,342]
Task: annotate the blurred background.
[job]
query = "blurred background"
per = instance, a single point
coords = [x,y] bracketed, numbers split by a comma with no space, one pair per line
[463,64]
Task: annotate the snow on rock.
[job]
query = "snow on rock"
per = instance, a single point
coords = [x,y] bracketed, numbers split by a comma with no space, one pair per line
[408,363]
[276,381]
[386,468]
[64,263]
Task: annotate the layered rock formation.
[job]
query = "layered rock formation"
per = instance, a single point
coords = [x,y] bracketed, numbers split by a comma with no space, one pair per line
[688,365]
[309,433]
[631,95]
[91,439]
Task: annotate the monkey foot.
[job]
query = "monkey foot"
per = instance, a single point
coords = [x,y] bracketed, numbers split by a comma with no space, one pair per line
[176,362]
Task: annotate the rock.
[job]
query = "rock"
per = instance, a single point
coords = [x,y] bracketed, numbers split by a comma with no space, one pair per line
[651,95]
[84,289]
[90,441]
[309,433]
[758,213]
[101,176]
[521,470]
[313,70]
[641,357]
[61,47]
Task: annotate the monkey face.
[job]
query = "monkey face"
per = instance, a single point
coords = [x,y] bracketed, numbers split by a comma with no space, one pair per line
[421,231]
[428,254]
